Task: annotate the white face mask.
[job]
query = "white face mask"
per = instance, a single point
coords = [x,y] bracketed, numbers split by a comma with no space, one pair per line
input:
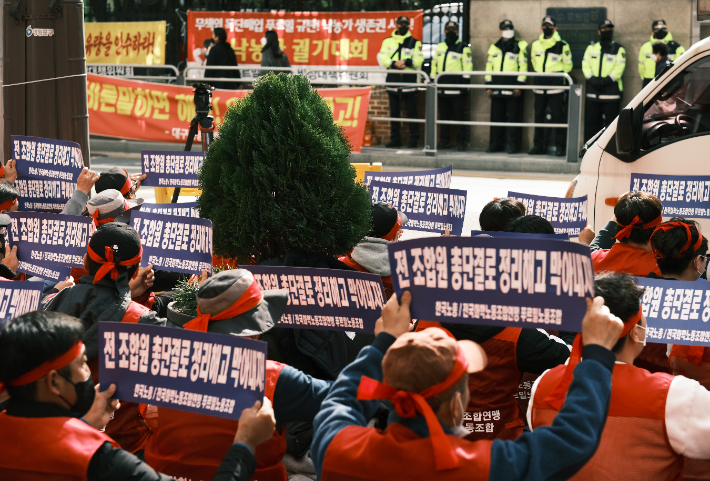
[654,57]
[508,33]
[458,430]
[263,41]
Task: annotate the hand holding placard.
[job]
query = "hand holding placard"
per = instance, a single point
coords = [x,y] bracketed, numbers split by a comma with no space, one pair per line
[396,319]
[256,425]
[104,405]
[599,325]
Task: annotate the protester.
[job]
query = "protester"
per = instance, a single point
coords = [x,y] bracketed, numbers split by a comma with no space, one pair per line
[110,205]
[221,54]
[530,224]
[424,374]
[116,290]
[51,428]
[371,254]
[189,446]
[499,212]
[654,419]
[121,180]
[271,53]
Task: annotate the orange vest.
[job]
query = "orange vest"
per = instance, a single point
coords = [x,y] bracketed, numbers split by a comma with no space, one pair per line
[52,448]
[386,281]
[192,446]
[625,258]
[358,453]
[493,411]
[634,443]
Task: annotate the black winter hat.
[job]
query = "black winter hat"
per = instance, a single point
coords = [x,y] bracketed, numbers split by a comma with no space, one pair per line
[122,239]
[114,178]
[506,25]
[384,219]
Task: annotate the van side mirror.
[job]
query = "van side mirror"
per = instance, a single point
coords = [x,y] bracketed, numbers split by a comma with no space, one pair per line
[625,132]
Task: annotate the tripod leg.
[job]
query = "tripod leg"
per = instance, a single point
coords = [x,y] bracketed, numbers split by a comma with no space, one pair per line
[188,147]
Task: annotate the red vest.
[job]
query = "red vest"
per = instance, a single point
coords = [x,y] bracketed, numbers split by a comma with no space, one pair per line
[493,411]
[192,446]
[386,281]
[359,453]
[625,258]
[54,448]
[634,443]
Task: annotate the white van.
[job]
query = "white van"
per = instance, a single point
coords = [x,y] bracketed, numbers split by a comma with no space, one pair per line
[664,130]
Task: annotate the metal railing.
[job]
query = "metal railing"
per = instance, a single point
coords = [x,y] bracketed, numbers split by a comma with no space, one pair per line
[127,71]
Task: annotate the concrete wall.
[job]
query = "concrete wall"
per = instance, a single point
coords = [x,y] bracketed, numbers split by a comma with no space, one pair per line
[632,19]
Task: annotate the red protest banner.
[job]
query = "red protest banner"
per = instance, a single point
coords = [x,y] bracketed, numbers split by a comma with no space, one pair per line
[129,109]
[307,38]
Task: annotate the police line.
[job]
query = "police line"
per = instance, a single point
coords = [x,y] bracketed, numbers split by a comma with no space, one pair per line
[428,209]
[567,216]
[681,195]
[48,170]
[193,371]
[329,299]
[171,168]
[440,178]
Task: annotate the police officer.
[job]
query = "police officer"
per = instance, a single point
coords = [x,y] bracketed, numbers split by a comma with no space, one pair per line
[451,55]
[400,52]
[550,54]
[603,66]
[647,64]
[508,54]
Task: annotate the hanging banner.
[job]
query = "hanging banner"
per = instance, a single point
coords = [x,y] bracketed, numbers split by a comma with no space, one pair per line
[47,172]
[681,195]
[428,209]
[495,281]
[440,178]
[192,371]
[327,299]
[171,168]
[677,312]
[125,42]
[129,109]
[17,298]
[174,243]
[307,38]
[519,235]
[567,216]
[185,209]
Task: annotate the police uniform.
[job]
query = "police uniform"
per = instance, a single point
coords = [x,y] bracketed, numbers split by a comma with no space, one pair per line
[451,56]
[506,55]
[407,48]
[550,55]
[647,65]
[603,66]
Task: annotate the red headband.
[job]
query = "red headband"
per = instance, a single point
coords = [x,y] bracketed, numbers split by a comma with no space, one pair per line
[8,203]
[127,186]
[557,396]
[390,235]
[44,368]
[108,264]
[408,404]
[251,298]
[637,224]
[670,225]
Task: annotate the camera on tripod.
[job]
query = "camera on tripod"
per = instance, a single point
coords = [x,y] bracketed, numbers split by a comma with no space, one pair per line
[203,98]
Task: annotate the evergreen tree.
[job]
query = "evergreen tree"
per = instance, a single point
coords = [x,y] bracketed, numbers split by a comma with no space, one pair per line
[278,177]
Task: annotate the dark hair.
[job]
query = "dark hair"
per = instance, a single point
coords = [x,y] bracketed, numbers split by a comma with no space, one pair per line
[497,213]
[530,224]
[221,34]
[272,42]
[669,243]
[660,48]
[632,204]
[621,295]
[7,192]
[33,339]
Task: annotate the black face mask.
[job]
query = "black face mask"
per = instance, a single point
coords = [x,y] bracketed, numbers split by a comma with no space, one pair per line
[451,37]
[403,30]
[606,35]
[661,34]
[548,31]
[85,394]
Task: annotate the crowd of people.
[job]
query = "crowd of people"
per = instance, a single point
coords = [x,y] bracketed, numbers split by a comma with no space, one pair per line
[605,403]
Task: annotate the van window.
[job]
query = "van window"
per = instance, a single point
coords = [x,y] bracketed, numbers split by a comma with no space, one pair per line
[681,109]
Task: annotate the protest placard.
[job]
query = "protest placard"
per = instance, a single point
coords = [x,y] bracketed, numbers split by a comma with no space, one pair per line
[503,282]
[47,172]
[428,209]
[328,299]
[677,312]
[567,216]
[185,209]
[17,298]
[193,371]
[46,242]
[681,195]
[440,178]
[171,168]
[174,243]
[493,233]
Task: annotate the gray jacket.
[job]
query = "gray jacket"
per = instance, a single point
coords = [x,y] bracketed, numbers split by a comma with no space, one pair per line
[269,60]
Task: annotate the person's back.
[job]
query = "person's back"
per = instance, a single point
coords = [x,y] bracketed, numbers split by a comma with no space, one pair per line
[272,55]
[221,54]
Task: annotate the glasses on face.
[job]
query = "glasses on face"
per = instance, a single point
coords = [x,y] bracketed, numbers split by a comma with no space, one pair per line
[643,341]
